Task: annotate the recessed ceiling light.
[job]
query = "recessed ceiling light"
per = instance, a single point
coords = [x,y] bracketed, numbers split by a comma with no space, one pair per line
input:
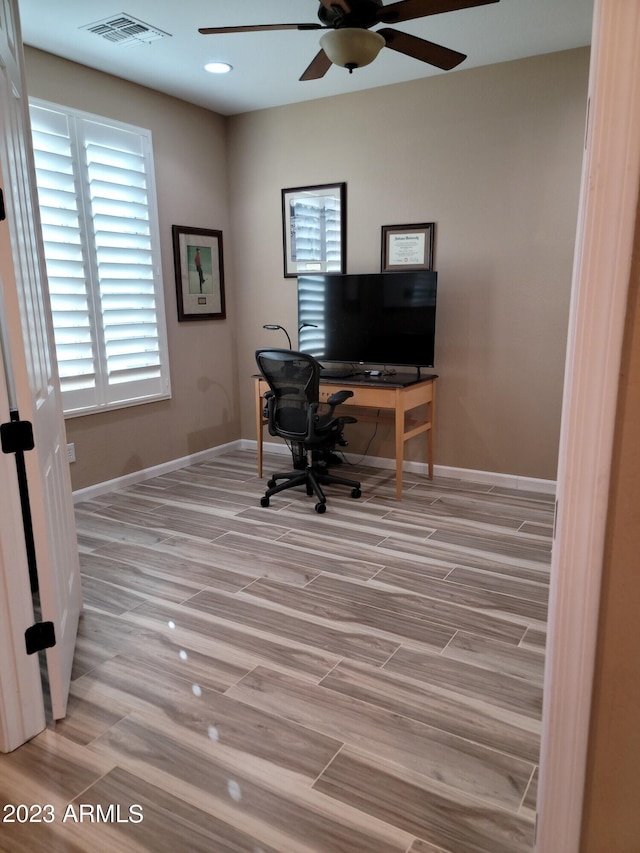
[218,67]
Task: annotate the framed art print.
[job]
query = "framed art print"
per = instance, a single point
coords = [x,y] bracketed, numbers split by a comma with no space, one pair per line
[199,270]
[314,229]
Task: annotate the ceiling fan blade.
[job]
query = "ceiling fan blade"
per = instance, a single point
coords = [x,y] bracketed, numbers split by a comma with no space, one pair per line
[425,51]
[318,67]
[254,28]
[407,10]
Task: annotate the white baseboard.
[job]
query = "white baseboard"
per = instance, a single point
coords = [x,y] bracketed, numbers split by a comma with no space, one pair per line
[491,478]
[98,489]
[507,481]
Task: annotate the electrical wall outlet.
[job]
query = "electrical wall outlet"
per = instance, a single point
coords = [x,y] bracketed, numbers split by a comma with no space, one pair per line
[71,452]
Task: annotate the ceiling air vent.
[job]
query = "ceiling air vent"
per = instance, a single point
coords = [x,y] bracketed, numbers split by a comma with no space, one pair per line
[125,30]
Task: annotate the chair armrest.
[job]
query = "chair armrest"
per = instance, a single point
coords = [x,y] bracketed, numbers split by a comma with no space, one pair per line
[332,401]
[338,397]
[268,398]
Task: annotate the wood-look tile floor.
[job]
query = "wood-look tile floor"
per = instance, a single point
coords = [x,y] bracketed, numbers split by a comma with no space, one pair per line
[275,681]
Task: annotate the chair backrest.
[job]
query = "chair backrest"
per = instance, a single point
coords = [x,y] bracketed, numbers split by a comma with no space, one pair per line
[294,379]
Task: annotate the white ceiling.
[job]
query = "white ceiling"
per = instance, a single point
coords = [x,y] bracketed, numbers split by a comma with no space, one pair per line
[267,65]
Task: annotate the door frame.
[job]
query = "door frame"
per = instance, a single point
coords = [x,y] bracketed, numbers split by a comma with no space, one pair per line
[602,266]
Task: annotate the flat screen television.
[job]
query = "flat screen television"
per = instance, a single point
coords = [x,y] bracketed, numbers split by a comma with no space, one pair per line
[371,318]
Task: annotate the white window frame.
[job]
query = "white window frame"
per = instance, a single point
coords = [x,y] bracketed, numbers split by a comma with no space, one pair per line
[100,383]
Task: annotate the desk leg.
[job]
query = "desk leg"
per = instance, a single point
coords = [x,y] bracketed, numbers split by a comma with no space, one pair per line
[431,408]
[400,416]
[259,423]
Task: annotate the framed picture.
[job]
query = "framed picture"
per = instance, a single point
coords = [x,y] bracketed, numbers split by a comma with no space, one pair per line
[314,229]
[408,247]
[198,261]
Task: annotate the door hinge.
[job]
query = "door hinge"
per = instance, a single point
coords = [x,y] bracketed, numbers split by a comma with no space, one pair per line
[17,436]
[40,636]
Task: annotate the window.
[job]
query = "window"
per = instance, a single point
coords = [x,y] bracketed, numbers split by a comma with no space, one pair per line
[98,211]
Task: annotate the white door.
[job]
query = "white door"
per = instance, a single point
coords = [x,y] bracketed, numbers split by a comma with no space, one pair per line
[30,343]
[21,706]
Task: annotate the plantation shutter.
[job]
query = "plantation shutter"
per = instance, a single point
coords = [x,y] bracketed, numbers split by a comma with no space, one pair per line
[311,310]
[317,238]
[99,225]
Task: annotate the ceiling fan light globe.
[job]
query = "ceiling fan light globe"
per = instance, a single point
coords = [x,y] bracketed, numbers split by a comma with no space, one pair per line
[351,47]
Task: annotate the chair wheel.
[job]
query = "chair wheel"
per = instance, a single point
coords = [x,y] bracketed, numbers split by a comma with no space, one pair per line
[320,508]
[356,493]
[271,483]
[264,501]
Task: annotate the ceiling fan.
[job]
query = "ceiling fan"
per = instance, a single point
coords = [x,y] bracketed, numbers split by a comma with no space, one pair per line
[350,41]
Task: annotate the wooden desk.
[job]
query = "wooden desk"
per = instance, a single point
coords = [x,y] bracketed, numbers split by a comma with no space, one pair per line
[395,396]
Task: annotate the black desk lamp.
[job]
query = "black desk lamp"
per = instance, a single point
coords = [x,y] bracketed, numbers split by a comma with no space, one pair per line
[275,326]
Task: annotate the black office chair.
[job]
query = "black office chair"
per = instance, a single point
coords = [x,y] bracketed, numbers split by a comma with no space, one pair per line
[292,413]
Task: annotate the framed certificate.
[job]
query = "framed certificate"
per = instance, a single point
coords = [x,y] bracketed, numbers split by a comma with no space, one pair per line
[408,247]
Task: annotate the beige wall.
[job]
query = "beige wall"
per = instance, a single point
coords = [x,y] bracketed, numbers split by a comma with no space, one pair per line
[493,156]
[611,814]
[191,179]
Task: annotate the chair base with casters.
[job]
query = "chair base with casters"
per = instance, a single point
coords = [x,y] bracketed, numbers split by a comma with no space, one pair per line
[313,477]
